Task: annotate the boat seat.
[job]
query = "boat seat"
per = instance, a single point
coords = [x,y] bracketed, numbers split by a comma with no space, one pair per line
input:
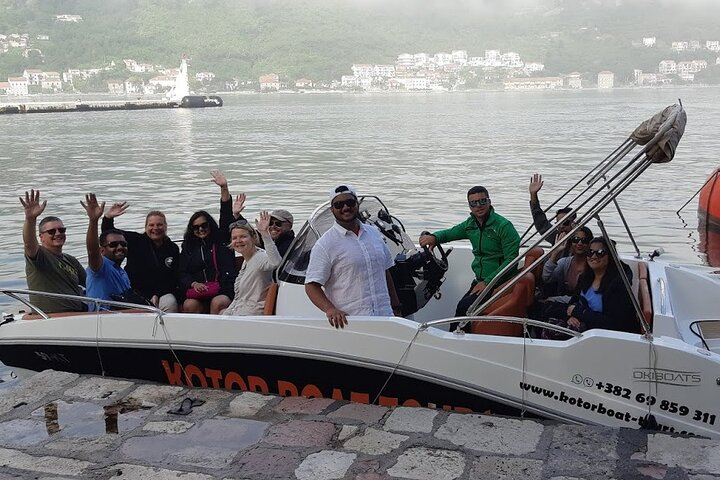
[37,316]
[271,299]
[644,297]
[514,303]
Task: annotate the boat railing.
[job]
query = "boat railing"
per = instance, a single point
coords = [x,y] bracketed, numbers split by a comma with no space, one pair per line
[526,322]
[593,201]
[18,295]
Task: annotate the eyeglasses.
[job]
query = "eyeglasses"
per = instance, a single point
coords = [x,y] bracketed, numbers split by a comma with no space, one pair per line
[599,253]
[580,240]
[52,231]
[479,203]
[116,243]
[278,223]
[350,202]
[237,223]
[204,226]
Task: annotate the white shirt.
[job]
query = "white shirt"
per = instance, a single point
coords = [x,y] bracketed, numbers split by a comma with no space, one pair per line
[352,269]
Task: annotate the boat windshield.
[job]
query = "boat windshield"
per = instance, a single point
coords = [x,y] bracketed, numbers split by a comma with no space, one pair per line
[296,260]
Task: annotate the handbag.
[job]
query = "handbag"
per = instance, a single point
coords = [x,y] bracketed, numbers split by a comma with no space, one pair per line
[213,286]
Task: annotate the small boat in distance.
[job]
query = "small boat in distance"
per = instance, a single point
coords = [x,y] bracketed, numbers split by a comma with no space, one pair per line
[181,96]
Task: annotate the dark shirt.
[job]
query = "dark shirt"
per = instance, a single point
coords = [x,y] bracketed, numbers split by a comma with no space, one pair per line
[197,265]
[541,222]
[152,270]
[618,309]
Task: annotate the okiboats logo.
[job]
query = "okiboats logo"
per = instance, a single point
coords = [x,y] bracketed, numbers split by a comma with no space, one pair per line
[667,377]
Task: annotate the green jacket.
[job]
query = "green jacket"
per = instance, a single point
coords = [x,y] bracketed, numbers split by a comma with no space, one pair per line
[495,245]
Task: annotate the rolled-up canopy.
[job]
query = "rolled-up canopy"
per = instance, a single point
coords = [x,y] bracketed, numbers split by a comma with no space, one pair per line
[674,118]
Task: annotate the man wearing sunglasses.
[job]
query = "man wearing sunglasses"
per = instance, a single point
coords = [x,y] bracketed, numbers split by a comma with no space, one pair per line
[105,276]
[540,220]
[349,266]
[47,268]
[494,240]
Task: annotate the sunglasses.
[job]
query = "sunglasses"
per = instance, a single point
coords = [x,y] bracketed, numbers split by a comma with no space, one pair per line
[278,223]
[52,231]
[204,226]
[599,253]
[116,243]
[237,223]
[350,202]
[479,203]
[580,240]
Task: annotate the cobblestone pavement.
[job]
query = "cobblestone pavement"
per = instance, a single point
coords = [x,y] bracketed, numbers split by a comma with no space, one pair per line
[60,425]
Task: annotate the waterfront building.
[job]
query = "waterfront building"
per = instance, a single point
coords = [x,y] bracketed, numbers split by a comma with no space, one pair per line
[204,76]
[534,67]
[415,83]
[574,80]
[348,81]
[694,45]
[511,60]
[679,46]
[18,86]
[116,87]
[537,83]
[68,18]
[606,79]
[649,41]
[4,88]
[303,83]
[442,58]
[421,60]
[33,75]
[269,82]
[51,83]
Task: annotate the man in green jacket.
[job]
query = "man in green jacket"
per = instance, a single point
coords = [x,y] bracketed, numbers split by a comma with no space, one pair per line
[494,240]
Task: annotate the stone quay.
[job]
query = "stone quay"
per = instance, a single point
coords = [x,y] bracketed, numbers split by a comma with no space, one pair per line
[56,425]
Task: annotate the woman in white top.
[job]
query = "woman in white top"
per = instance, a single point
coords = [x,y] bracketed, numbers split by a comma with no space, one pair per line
[255,274]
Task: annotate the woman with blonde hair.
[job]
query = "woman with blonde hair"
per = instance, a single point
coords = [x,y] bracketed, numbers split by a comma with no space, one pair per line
[255,274]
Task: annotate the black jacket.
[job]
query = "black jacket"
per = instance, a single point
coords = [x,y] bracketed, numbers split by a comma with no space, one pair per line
[618,310]
[196,265]
[152,270]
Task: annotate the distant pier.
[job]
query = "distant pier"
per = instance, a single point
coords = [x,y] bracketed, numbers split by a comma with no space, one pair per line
[189,101]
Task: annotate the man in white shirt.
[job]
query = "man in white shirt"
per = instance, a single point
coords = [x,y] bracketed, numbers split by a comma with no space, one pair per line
[349,266]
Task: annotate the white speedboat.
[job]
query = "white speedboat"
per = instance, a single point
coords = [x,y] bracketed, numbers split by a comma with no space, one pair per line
[666,378]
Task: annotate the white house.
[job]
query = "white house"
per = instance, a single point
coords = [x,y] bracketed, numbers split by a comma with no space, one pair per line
[574,80]
[33,75]
[18,86]
[606,79]
[667,67]
[534,67]
[269,82]
[385,71]
[694,45]
[134,86]
[68,18]
[649,41]
[162,82]
[679,46]
[406,60]
[362,70]
[204,76]
[116,87]
[713,45]
[442,58]
[51,83]
[511,60]
[349,81]
[459,57]
[303,83]
[415,83]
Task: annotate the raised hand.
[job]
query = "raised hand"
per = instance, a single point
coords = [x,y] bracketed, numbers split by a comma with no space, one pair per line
[238,205]
[92,207]
[263,225]
[536,183]
[219,178]
[32,205]
[117,209]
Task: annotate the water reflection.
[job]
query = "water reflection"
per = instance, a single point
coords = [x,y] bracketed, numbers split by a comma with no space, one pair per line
[87,420]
